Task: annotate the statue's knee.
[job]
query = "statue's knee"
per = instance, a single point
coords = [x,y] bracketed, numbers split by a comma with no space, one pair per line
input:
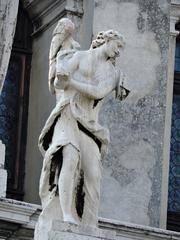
[70,158]
[73,162]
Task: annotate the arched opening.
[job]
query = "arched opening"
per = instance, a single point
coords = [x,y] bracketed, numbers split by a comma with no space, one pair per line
[14,106]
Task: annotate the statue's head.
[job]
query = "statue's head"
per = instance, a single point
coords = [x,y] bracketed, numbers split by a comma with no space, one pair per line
[98,41]
[114,41]
[111,40]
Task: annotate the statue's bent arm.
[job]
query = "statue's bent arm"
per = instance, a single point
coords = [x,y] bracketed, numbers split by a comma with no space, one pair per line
[66,68]
[95,92]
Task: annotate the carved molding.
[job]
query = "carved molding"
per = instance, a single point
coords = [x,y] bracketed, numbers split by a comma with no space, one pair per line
[15,230]
[45,13]
[16,211]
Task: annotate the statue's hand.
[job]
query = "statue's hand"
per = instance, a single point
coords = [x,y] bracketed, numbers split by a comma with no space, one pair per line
[61,81]
[63,74]
[121,91]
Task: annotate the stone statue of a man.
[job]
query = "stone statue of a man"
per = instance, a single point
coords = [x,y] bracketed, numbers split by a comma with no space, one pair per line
[72,141]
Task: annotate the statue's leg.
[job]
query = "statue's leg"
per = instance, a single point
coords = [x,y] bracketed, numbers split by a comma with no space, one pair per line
[67,180]
[91,165]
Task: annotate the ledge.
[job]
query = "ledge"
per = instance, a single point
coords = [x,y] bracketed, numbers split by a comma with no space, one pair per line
[15,215]
[110,230]
[17,211]
[134,231]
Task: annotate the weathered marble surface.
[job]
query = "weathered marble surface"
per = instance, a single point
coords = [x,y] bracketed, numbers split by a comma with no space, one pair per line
[72,141]
[132,184]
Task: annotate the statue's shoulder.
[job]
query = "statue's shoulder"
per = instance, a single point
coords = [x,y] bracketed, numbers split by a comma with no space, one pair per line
[77,55]
[83,54]
[66,55]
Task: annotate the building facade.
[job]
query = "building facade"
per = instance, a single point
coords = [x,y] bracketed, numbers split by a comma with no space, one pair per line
[141,176]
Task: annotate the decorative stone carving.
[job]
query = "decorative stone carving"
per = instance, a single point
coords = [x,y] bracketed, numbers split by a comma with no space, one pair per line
[72,141]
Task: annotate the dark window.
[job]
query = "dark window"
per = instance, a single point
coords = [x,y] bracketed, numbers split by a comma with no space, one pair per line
[177,57]
[173,217]
[14,106]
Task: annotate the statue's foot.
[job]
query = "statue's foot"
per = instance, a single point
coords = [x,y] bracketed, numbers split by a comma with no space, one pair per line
[70,219]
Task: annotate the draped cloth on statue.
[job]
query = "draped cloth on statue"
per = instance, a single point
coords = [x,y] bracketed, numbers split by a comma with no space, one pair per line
[73,121]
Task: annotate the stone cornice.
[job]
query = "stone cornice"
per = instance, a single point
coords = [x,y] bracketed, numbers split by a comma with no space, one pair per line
[15,215]
[135,231]
[45,13]
[16,211]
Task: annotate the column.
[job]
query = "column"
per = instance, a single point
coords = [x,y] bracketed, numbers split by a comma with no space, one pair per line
[167,133]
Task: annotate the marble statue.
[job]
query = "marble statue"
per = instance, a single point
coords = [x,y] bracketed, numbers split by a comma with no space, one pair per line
[72,141]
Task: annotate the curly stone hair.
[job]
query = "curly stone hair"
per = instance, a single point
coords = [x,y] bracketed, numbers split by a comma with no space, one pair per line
[105,36]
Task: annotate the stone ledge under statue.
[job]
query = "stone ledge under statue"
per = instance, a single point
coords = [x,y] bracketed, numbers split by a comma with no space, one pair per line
[18,219]
[68,231]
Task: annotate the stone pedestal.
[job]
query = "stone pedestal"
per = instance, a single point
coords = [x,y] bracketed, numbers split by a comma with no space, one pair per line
[3,172]
[67,231]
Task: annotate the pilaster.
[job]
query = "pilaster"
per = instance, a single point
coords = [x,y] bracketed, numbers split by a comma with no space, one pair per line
[174,18]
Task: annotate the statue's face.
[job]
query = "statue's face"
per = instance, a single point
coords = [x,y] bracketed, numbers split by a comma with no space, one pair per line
[113,48]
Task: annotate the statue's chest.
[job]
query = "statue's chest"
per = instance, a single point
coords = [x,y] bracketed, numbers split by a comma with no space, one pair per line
[104,71]
[103,67]
[97,71]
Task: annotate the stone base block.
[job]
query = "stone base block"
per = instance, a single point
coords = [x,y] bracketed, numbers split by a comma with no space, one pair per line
[3,182]
[67,231]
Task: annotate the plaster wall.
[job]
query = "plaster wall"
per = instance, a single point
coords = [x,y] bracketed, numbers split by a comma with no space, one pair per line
[132,182]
